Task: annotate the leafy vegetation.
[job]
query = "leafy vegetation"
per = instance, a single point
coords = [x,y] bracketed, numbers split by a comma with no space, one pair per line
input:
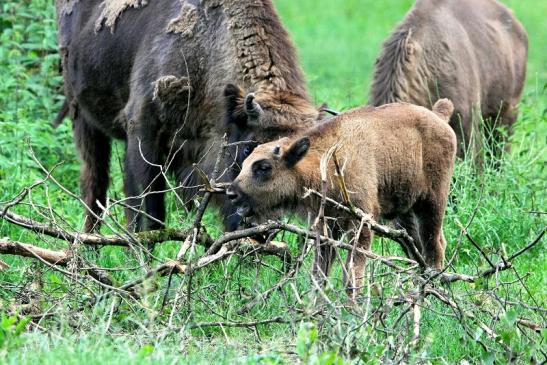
[337,42]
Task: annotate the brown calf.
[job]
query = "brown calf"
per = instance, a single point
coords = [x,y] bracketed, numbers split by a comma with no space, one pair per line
[397,163]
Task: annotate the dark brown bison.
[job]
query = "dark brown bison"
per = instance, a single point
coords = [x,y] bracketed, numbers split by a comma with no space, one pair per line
[473,52]
[155,75]
[397,162]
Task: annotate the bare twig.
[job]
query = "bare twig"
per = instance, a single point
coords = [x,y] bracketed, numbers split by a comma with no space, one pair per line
[3,266]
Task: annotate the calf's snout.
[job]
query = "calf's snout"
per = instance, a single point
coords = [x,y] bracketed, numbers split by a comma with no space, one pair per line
[239,199]
[233,193]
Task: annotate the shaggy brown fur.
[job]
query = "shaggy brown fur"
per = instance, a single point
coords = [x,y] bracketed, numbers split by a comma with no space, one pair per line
[473,52]
[113,9]
[158,80]
[397,163]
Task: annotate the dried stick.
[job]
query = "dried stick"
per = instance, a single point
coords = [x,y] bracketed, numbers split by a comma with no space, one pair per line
[342,182]
[3,266]
[497,267]
[290,275]
[199,216]
[149,237]
[528,246]
[277,319]
[470,239]
[10,247]
[417,316]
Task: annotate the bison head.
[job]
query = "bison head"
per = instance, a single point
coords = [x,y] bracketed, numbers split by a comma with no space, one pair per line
[261,116]
[270,178]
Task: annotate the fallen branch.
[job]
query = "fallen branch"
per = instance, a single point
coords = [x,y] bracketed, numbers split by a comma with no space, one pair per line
[93,239]
[9,247]
[159,236]
[176,267]
[497,267]
[236,324]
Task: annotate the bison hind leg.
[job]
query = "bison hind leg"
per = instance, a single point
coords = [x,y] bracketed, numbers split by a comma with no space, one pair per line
[411,224]
[430,213]
[500,129]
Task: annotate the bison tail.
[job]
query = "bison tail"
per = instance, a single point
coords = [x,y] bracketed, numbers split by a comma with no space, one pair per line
[61,115]
[444,109]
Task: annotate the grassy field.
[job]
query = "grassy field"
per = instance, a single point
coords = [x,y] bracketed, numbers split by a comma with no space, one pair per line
[337,42]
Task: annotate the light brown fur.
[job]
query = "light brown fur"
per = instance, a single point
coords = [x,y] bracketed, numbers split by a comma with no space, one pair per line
[397,163]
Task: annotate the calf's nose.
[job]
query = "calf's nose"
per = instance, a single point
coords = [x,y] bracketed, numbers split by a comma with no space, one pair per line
[232,193]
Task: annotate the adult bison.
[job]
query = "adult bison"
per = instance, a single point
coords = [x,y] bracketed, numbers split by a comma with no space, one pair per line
[473,52]
[166,76]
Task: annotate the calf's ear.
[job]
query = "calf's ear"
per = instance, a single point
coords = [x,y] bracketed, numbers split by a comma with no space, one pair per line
[296,151]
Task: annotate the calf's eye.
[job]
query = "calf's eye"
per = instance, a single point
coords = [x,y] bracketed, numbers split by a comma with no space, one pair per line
[262,169]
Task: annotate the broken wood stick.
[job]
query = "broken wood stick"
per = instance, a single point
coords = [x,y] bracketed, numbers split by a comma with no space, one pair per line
[10,247]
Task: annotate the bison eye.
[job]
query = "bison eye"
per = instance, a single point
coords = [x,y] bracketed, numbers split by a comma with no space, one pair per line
[262,169]
[247,151]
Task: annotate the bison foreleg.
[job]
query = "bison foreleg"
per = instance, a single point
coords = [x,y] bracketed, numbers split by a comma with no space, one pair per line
[94,148]
[144,182]
[354,271]
[322,262]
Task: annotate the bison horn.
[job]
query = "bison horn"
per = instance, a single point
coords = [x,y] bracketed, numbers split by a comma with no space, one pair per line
[252,108]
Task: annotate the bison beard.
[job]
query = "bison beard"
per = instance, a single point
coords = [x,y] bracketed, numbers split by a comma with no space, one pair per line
[155,75]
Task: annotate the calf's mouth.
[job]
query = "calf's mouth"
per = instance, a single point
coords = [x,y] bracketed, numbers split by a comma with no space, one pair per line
[244,210]
[240,200]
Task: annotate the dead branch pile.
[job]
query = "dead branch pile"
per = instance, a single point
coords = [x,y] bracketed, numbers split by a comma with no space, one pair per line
[398,295]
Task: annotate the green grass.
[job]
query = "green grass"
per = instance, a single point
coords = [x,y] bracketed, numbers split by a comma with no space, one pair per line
[337,42]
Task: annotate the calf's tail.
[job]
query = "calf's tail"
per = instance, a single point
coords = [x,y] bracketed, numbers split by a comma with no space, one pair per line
[444,109]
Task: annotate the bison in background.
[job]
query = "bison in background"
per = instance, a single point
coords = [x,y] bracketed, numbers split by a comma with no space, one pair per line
[154,74]
[473,52]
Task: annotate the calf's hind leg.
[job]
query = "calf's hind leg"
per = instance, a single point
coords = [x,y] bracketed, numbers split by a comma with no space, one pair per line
[410,223]
[430,214]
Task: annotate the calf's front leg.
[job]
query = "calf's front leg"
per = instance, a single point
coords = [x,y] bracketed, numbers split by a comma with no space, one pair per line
[322,262]
[354,271]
